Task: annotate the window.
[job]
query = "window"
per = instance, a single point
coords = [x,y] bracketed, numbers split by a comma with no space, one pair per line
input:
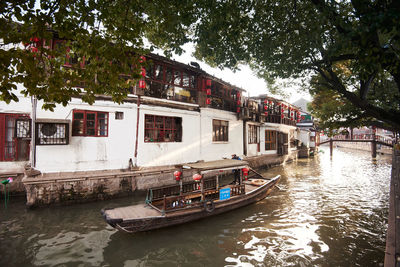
[14,138]
[90,123]
[52,133]
[270,140]
[23,128]
[253,134]
[220,130]
[119,115]
[162,129]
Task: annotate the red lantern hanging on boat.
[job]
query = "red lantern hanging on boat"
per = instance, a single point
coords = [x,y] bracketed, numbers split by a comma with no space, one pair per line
[245,173]
[177,175]
[142,84]
[197,177]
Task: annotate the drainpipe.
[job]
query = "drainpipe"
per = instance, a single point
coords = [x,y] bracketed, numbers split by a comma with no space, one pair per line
[33,132]
[244,138]
[137,131]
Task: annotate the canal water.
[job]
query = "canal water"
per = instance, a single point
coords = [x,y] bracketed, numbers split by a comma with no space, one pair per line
[327,212]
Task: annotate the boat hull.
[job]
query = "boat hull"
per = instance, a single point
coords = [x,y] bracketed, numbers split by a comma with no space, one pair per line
[195,213]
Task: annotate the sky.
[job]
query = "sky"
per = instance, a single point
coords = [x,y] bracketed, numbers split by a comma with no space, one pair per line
[245,78]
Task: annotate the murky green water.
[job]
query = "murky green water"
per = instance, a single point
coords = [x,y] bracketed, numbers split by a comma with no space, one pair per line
[326,213]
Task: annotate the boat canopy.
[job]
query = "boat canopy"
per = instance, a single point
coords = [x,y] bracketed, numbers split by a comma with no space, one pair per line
[225,164]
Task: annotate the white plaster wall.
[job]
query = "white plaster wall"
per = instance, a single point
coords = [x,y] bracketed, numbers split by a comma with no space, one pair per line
[90,153]
[217,150]
[168,153]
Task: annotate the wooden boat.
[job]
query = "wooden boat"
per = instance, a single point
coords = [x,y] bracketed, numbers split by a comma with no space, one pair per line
[185,202]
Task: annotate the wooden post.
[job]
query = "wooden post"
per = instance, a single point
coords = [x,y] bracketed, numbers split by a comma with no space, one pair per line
[373,145]
[202,189]
[331,147]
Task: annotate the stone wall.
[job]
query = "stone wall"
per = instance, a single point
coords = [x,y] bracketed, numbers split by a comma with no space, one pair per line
[269,161]
[75,187]
[365,146]
[392,252]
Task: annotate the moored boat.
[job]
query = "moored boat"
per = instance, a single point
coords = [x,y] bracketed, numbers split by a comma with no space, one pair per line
[204,197]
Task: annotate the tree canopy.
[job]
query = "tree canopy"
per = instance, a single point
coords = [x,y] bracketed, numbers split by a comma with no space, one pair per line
[278,39]
[335,111]
[109,35]
[299,39]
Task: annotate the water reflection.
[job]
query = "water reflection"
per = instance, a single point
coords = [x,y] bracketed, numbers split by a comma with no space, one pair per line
[328,212]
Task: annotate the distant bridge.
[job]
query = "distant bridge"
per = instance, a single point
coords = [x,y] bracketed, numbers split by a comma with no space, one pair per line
[374,141]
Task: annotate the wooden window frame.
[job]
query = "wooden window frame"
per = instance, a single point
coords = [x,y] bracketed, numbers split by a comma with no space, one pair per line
[270,140]
[16,142]
[217,128]
[175,129]
[253,134]
[96,127]
[52,140]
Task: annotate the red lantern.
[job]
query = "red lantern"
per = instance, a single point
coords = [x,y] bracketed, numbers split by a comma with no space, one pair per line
[245,173]
[142,84]
[177,175]
[143,72]
[238,110]
[282,116]
[265,101]
[266,113]
[142,59]
[208,82]
[238,102]
[197,177]
[282,110]
[265,107]
[208,101]
[208,92]
[238,94]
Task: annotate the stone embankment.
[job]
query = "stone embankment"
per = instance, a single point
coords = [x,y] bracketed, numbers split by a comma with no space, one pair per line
[392,253]
[364,146]
[75,187]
